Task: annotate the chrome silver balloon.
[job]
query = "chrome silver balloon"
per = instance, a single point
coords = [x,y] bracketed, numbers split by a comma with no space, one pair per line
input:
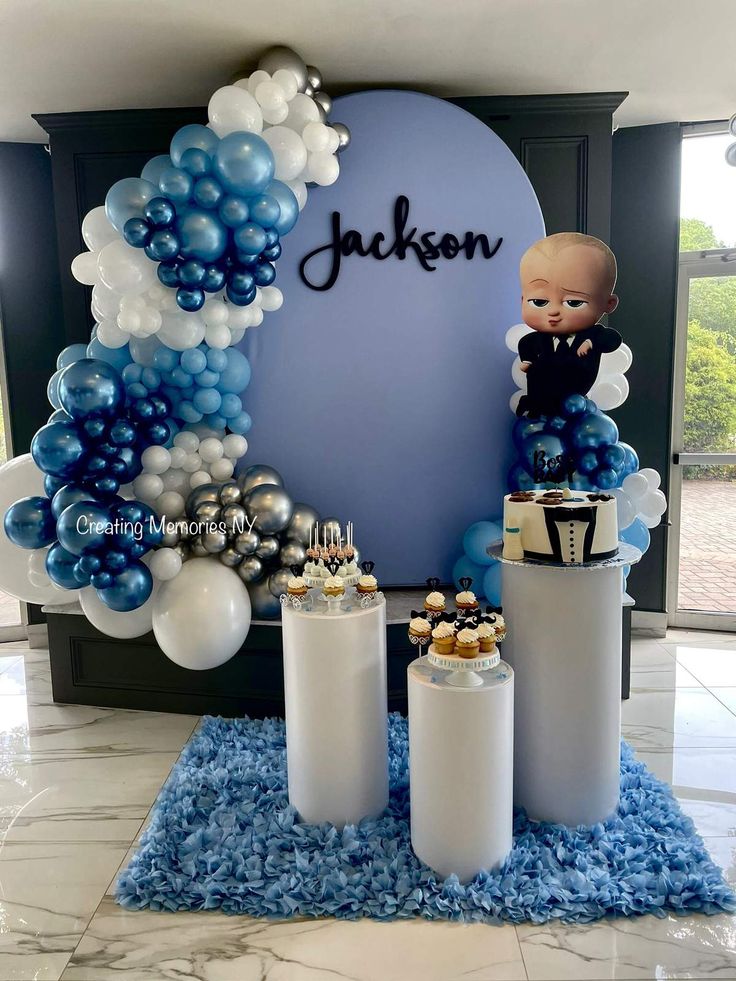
[292,553]
[205,492]
[279,56]
[230,557]
[277,581]
[234,518]
[183,550]
[208,512]
[268,549]
[197,548]
[314,78]
[246,542]
[214,541]
[172,535]
[230,493]
[343,134]
[258,474]
[303,519]
[250,569]
[269,508]
[264,605]
[308,90]
[329,527]
[324,101]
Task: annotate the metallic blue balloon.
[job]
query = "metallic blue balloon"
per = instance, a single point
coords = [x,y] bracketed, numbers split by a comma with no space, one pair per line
[70,494]
[52,484]
[241,280]
[91,387]
[264,273]
[631,462]
[192,273]
[272,253]
[249,238]
[168,274]
[58,415]
[160,212]
[524,428]
[193,135]
[137,232]
[613,457]
[61,565]
[233,211]
[155,167]
[201,235]
[265,210]
[288,206]
[29,522]
[196,162]
[84,527]
[533,447]
[129,589]
[57,449]
[605,478]
[163,245]
[574,405]
[243,164]
[586,462]
[101,580]
[207,192]
[176,185]
[115,561]
[214,279]
[127,199]
[591,430]
[71,354]
[190,300]
[519,479]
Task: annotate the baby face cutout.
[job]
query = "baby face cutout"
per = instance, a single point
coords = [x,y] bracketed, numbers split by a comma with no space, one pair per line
[565,293]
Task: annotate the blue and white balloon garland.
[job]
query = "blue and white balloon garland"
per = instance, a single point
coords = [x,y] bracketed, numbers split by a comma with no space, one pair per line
[587,439]
[181,261]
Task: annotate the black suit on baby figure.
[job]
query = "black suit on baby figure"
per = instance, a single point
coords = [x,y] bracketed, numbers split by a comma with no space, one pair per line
[556,371]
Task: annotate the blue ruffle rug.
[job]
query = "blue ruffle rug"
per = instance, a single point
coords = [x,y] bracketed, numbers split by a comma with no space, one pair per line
[222,835]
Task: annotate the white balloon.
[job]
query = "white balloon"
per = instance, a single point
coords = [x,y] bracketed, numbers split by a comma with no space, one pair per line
[606,393]
[237,335]
[105,302]
[177,454]
[188,441]
[37,575]
[171,504]
[147,487]
[192,463]
[652,477]
[97,231]
[616,362]
[156,459]
[514,401]
[201,618]
[277,115]
[333,140]
[211,449]
[84,268]
[270,95]
[181,330]
[654,504]
[198,478]
[109,334]
[234,446]
[650,520]
[115,624]
[514,335]
[289,152]
[316,137]
[214,312]
[287,81]
[636,485]
[233,109]
[176,479]
[21,477]
[302,110]
[222,469]
[518,375]
[323,168]
[271,298]
[125,269]
[256,316]
[254,80]
[165,563]
[625,509]
[301,193]
[218,336]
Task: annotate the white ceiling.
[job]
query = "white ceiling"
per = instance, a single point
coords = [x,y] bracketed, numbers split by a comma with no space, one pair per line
[675,57]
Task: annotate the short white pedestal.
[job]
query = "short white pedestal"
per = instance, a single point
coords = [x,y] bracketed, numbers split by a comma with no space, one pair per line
[564,643]
[460,769]
[336,713]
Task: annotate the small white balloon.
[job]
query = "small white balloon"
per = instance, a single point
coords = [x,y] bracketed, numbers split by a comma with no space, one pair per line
[105,302]
[237,335]
[192,463]
[109,334]
[218,336]
[125,269]
[624,508]
[233,109]
[256,79]
[256,316]
[198,478]
[37,575]
[147,487]
[302,110]
[636,485]
[518,375]
[222,469]
[290,154]
[97,231]
[155,459]
[323,168]
[650,520]
[514,401]
[214,312]
[171,504]
[188,441]
[606,393]
[316,137]
[211,449]
[652,477]
[270,95]
[165,563]
[178,455]
[514,335]
[234,446]
[616,361]
[176,480]
[277,115]
[333,140]
[271,298]
[181,331]
[287,81]
[301,192]
[84,268]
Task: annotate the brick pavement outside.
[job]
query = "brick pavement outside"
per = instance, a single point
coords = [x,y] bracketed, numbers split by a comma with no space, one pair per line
[708,546]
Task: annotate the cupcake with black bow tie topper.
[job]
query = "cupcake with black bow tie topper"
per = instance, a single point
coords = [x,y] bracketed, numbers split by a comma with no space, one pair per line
[367,585]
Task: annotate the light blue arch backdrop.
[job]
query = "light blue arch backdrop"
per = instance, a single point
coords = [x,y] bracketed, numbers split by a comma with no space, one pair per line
[384,399]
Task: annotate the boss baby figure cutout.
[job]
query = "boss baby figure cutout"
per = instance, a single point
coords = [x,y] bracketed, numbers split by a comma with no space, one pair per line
[567,283]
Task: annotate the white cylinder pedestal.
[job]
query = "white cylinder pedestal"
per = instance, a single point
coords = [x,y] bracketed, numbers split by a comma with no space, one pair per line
[460,769]
[564,643]
[336,713]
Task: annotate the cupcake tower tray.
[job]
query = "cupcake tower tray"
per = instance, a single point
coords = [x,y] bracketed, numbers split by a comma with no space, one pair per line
[452,662]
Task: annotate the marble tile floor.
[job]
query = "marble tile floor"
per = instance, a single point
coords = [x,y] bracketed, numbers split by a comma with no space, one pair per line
[76,785]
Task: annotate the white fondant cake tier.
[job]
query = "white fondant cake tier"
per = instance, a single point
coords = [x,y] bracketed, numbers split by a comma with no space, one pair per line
[576,529]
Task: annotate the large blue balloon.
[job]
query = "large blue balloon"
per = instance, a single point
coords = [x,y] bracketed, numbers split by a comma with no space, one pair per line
[235,377]
[129,590]
[465,567]
[118,357]
[91,387]
[71,354]
[631,462]
[477,539]
[155,167]
[127,199]
[84,527]
[288,205]
[244,164]
[525,427]
[52,390]
[194,135]
[57,449]
[519,479]
[70,494]
[591,430]
[60,566]
[492,584]
[201,235]
[538,449]
[637,534]
[30,523]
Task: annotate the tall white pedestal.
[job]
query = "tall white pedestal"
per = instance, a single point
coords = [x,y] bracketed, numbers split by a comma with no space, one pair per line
[564,643]
[336,713]
[460,769]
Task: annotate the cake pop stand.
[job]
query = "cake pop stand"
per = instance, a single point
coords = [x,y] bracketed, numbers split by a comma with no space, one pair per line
[336,711]
[564,644]
[461,766]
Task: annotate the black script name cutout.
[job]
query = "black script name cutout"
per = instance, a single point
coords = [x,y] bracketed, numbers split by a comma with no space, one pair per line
[426,247]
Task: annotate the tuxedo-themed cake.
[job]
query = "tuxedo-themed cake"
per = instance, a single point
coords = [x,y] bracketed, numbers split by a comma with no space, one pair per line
[565,526]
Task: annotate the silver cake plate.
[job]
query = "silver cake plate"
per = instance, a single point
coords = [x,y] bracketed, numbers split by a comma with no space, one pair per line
[626,555]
